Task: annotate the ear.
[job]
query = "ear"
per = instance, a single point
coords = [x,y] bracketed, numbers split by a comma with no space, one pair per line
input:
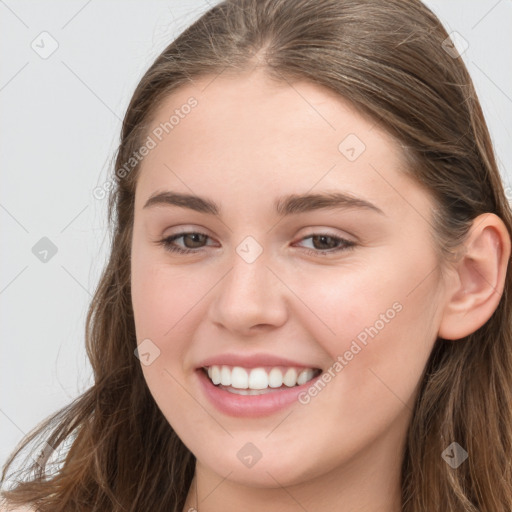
[475,290]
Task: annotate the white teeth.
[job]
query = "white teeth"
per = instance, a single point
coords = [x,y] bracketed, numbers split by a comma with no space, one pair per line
[259,378]
[304,376]
[275,378]
[215,374]
[225,376]
[239,378]
[290,377]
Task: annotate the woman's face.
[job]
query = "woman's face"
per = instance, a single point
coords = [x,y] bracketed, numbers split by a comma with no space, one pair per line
[278,278]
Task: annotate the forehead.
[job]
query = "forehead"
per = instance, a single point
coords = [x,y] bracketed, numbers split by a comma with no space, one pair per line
[265,111]
[255,134]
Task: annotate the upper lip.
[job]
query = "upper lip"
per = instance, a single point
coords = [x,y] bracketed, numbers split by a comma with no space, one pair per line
[252,361]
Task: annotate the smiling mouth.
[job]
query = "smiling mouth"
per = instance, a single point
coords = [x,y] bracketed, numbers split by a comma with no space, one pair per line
[260,380]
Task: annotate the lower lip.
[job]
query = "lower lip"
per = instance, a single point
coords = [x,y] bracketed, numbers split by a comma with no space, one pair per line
[251,405]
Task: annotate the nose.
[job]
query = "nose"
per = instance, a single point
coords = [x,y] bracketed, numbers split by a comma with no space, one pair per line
[249,298]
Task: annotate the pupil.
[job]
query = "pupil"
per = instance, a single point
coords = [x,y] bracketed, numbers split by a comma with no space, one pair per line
[195,237]
[323,239]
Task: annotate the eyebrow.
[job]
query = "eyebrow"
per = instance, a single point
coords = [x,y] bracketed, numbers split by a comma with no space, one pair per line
[286,205]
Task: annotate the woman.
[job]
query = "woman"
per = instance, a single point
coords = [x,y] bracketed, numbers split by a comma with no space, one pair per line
[306,304]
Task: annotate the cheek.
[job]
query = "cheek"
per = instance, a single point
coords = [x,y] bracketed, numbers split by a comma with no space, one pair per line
[384,334]
[373,316]
[164,295]
[169,306]
[166,302]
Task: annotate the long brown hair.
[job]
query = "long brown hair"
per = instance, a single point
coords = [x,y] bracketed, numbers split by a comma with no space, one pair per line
[388,58]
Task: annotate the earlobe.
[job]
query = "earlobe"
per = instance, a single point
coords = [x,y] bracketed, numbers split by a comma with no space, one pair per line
[474,296]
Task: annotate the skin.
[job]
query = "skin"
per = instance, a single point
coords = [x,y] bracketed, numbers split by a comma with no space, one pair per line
[247,142]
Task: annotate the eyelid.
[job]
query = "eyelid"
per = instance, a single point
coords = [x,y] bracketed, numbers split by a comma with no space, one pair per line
[185,229]
[319,230]
[315,231]
[344,244]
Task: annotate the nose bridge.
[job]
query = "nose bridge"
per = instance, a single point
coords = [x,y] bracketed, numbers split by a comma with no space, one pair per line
[248,282]
[249,294]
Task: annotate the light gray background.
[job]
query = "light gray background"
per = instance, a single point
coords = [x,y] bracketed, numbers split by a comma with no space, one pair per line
[60,122]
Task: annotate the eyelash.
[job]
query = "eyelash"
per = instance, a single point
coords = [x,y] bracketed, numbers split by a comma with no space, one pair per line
[167,244]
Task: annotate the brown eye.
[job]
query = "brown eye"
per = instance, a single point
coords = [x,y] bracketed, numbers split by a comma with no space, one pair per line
[324,244]
[196,240]
[191,241]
